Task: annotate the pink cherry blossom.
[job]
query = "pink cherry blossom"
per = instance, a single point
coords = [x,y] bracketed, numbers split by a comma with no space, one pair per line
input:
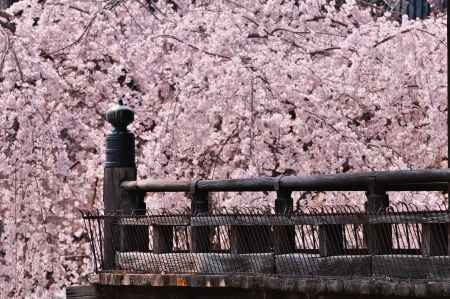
[221,89]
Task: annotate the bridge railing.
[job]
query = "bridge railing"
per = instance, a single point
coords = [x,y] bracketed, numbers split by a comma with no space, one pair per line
[380,240]
[331,241]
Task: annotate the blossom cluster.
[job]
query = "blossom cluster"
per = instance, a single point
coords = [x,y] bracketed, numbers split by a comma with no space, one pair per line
[221,89]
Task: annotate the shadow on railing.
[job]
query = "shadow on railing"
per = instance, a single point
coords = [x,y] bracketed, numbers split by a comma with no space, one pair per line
[401,241]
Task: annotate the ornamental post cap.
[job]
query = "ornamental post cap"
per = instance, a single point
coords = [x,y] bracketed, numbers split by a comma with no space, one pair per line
[120,116]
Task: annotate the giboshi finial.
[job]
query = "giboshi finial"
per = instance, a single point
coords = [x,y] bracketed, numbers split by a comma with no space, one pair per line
[120,116]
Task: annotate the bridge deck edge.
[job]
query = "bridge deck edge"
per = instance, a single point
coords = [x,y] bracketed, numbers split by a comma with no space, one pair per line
[322,285]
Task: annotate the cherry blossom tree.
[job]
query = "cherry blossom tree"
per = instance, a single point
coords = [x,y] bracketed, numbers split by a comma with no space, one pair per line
[221,89]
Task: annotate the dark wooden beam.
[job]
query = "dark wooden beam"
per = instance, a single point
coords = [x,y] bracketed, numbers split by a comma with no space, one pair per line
[404,180]
[83,292]
[290,220]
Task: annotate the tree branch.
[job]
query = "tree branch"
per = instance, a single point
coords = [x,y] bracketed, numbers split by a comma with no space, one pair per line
[192,46]
[85,32]
[19,68]
[390,37]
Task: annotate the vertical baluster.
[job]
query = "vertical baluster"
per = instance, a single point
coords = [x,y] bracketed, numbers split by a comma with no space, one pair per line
[331,236]
[284,235]
[200,207]
[251,238]
[331,239]
[162,238]
[434,239]
[378,236]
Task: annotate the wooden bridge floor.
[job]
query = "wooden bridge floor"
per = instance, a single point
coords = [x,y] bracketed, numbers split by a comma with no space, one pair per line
[183,286]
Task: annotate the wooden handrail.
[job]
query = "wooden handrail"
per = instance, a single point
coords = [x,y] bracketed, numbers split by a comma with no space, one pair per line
[400,180]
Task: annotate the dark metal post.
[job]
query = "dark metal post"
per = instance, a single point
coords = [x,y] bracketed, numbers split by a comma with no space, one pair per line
[120,166]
